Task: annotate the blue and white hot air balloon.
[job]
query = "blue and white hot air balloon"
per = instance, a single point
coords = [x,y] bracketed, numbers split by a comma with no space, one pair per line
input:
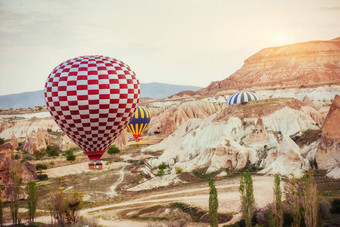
[242,97]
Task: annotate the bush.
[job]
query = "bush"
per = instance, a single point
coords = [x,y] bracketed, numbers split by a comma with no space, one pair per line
[16,156]
[40,166]
[178,170]
[113,150]
[324,208]
[39,154]
[2,141]
[52,151]
[27,157]
[335,206]
[70,157]
[42,177]
[52,163]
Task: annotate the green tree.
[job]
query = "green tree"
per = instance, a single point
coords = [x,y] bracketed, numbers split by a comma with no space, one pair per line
[1,207]
[293,200]
[161,169]
[277,204]
[310,199]
[70,157]
[73,206]
[2,141]
[32,200]
[113,149]
[247,197]
[213,204]
[15,191]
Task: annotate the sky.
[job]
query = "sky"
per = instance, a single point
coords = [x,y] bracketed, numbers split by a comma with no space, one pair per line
[185,42]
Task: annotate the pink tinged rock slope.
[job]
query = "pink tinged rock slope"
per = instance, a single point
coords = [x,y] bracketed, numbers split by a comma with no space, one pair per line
[328,152]
[296,64]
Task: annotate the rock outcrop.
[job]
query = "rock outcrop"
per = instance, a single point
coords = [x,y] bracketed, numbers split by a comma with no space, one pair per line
[297,64]
[7,164]
[168,119]
[255,133]
[35,141]
[328,153]
[122,140]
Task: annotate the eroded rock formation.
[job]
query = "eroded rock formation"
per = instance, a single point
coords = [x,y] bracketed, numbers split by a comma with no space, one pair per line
[7,164]
[296,64]
[168,119]
[35,141]
[255,133]
[328,153]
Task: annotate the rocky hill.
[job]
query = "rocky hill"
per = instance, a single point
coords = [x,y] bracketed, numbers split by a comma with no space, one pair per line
[261,133]
[300,64]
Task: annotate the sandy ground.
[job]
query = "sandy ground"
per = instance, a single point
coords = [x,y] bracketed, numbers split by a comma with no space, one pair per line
[80,168]
[197,195]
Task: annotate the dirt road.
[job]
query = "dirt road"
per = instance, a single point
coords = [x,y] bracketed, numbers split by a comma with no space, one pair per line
[194,194]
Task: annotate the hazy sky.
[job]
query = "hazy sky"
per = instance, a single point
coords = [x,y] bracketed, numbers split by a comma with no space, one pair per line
[189,42]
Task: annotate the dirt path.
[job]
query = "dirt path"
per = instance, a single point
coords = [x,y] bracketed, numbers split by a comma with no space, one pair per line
[112,191]
[80,168]
[196,195]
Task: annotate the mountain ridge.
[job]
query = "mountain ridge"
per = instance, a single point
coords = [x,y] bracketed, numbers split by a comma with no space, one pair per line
[303,63]
[153,90]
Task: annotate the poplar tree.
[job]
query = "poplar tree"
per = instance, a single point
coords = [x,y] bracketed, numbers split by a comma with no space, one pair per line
[310,199]
[32,200]
[213,204]
[247,197]
[277,204]
[1,207]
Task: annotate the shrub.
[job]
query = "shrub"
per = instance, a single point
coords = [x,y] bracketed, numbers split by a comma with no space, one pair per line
[27,157]
[39,154]
[40,166]
[16,156]
[113,150]
[70,157]
[336,206]
[52,163]
[42,177]
[324,208]
[2,141]
[52,151]
[161,169]
[178,170]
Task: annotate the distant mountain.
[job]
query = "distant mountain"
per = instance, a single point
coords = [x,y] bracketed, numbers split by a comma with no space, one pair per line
[36,98]
[306,64]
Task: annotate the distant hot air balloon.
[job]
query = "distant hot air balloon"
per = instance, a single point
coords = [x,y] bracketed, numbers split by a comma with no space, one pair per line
[92,98]
[139,121]
[242,97]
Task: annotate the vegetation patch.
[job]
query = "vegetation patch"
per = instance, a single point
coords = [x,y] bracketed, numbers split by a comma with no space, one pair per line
[202,174]
[307,137]
[199,215]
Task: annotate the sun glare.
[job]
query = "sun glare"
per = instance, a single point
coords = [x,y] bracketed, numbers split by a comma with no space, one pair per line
[283,38]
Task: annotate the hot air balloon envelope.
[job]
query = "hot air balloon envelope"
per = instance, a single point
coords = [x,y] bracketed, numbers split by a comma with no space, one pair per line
[242,97]
[139,121]
[92,98]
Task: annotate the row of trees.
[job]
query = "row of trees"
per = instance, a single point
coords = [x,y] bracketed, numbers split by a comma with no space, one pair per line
[301,199]
[14,197]
[63,207]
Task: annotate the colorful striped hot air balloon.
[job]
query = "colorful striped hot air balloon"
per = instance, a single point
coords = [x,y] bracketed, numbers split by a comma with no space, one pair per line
[242,97]
[139,121]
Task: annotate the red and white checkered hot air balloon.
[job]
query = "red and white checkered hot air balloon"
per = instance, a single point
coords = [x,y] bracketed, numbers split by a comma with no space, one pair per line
[92,99]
